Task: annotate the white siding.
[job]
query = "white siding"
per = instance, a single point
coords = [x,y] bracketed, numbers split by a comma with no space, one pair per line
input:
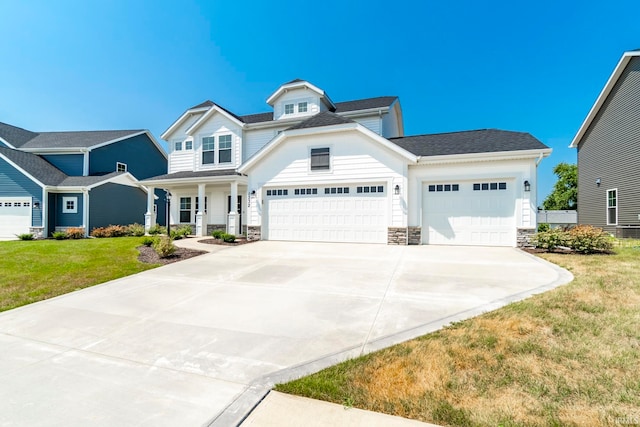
[390,122]
[181,160]
[254,140]
[372,123]
[354,159]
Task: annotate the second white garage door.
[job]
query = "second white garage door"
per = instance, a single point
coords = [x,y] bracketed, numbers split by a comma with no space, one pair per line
[15,216]
[355,213]
[478,212]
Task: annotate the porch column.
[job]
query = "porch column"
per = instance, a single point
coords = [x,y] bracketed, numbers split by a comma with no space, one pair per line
[201,227]
[150,216]
[232,222]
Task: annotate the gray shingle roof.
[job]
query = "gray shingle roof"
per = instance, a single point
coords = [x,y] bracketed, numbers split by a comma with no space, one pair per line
[468,142]
[76,139]
[326,118]
[83,181]
[189,174]
[14,135]
[341,107]
[35,165]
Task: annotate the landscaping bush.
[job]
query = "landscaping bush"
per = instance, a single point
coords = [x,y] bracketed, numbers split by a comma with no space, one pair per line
[157,229]
[587,239]
[98,232]
[543,226]
[148,240]
[217,234]
[59,235]
[135,230]
[75,233]
[164,247]
[25,236]
[110,231]
[229,238]
[181,232]
[549,240]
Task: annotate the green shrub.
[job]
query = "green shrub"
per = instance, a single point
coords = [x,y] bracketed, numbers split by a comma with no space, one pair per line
[25,236]
[148,240]
[164,247]
[75,233]
[543,226]
[184,231]
[587,239]
[157,229]
[549,240]
[217,234]
[173,234]
[229,238]
[136,230]
[59,235]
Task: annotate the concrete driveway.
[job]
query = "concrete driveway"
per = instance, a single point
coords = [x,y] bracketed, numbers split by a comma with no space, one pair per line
[201,341]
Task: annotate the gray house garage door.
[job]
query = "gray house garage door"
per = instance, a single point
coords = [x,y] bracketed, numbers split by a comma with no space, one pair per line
[479,212]
[348,213]
[15,216]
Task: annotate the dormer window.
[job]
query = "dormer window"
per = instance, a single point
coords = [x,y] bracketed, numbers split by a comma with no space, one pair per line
[177,146]
[188,145]
[302,107]
[288,108]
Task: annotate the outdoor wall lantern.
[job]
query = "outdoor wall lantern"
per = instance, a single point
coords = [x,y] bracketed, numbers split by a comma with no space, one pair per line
[36,205]
[527,186]
[396,190]
[598,182]
[253,192]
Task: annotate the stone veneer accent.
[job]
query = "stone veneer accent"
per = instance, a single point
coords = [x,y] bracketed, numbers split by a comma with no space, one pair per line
[214,227]
[397,236]
[254,232]
[38,232]
[414,235]
[524,237]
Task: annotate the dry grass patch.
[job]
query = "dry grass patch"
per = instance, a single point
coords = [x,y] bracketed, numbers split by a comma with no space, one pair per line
[566,357]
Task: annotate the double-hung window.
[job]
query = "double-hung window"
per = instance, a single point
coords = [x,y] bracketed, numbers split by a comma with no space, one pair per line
[288,108]
[302,107]
[185,209]
[224,149]
[177,146]
[612,207]
[208,150]
[320,159]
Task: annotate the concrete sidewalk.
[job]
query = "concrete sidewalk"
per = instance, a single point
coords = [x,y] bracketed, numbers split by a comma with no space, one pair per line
[202,341]
[284,410]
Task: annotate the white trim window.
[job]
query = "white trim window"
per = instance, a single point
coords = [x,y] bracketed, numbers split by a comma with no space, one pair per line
[69,205]
[185,210]
[612,206]
[289,108]
[177,146]
[302,107]
[188,145]
[121,167]
[320,159]
[208,150]
[224,149]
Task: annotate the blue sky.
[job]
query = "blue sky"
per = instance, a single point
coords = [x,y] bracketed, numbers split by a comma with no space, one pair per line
[533,66]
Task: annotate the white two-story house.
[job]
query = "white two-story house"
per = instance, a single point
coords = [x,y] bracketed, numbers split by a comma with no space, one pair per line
[315,170]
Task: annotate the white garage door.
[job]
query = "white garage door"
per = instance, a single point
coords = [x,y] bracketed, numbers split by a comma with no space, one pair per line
[480,212]
[354,213]
[15,216]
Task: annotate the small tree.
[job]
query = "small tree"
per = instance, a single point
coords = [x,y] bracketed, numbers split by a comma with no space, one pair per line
[565,192]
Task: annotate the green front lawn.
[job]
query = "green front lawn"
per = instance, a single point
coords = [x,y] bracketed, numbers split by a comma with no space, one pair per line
[570,356]
[36,270]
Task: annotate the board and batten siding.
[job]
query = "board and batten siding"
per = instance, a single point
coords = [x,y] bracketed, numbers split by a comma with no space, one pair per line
[610,151]
[14,183]
[71,164]
[355,160]
[116,204]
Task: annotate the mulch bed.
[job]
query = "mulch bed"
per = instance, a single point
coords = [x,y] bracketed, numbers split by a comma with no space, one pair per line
[148,255]
[238,242]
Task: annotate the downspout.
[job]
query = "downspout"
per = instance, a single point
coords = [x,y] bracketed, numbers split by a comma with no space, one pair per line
[45,212]
[539,159]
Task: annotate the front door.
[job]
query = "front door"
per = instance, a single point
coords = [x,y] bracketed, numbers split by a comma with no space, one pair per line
[238,210]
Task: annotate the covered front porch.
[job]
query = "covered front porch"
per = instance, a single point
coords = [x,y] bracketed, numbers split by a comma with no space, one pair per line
[205,201]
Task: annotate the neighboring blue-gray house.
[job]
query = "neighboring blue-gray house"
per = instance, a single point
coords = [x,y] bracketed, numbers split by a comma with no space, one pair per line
[55,180]
[608,144]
